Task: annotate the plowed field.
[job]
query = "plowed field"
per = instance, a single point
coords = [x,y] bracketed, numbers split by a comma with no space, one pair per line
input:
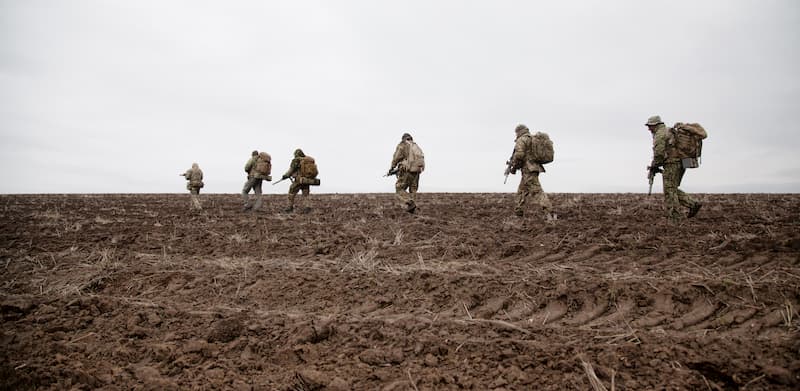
[135,292]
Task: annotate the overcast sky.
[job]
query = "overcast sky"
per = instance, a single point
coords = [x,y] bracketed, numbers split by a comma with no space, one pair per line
[121,96]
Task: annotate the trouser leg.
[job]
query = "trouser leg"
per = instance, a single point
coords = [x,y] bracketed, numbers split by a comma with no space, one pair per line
[673,197]
[400,188]
[306,189]
[195,196]
[684,198]
[529,187]
[248,185]
[413,186]
[257,190]
[523,191]
[293,190]
[539,196]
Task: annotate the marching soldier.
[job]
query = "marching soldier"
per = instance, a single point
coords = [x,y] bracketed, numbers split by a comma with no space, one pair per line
[194,176]
[303,171]
[524,159]
[258,169]
[666,158]
[408,162]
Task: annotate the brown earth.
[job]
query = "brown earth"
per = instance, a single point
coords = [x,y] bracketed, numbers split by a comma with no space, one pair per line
[133,292]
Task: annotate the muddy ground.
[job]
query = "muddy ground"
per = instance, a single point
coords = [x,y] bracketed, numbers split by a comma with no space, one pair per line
[133,292]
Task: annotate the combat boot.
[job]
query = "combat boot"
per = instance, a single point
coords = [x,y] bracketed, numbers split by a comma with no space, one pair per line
[306,210]
[289,209]
[411,207]
[519,213]
[694,209]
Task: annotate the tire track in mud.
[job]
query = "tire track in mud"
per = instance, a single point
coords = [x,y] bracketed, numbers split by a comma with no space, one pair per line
[696,308]
[622,316]
[571,310]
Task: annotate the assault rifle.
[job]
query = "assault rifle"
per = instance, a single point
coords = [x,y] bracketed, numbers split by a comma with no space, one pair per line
[651,173]
[392,171]
[509,167]
[282,179]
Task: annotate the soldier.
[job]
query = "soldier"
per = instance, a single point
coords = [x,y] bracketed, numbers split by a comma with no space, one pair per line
[258,169]
[303,171]
[672,171]
[529,185]
[408,162]
[194,176]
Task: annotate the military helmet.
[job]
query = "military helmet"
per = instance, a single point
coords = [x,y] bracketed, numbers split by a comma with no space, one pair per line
[654,120]
[299,153]
[406,136]
[254,153]
[520,128]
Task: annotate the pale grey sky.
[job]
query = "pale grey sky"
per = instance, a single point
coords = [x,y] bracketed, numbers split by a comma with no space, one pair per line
[121,96]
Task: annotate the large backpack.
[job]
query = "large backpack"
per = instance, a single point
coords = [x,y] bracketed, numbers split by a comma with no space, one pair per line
[416,159]
[195,178]
[264,164]
[541,148]
[685,141]
[308,167]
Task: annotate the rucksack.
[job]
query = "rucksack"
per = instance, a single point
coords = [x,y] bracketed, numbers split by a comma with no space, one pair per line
[308,167]
[196,178]
[264,164]
[685,140]
[541,148]
[194,175]
[416,159]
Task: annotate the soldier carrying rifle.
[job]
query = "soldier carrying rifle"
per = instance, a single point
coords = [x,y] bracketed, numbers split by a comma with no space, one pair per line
[303,172]
[674,150]
[531,152]
[408,162]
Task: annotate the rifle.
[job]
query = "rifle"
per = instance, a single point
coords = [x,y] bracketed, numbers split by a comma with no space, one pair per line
[392,171]
[509,167]
[651,173]
[282,179]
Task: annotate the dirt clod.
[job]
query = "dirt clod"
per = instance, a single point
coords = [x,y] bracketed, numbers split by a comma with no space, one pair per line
[226,330]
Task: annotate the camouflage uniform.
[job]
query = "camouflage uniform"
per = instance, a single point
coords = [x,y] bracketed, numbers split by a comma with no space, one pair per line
[406,180]
[195,177]
[294,173]
[673,172]
[529,184]
[253,183]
